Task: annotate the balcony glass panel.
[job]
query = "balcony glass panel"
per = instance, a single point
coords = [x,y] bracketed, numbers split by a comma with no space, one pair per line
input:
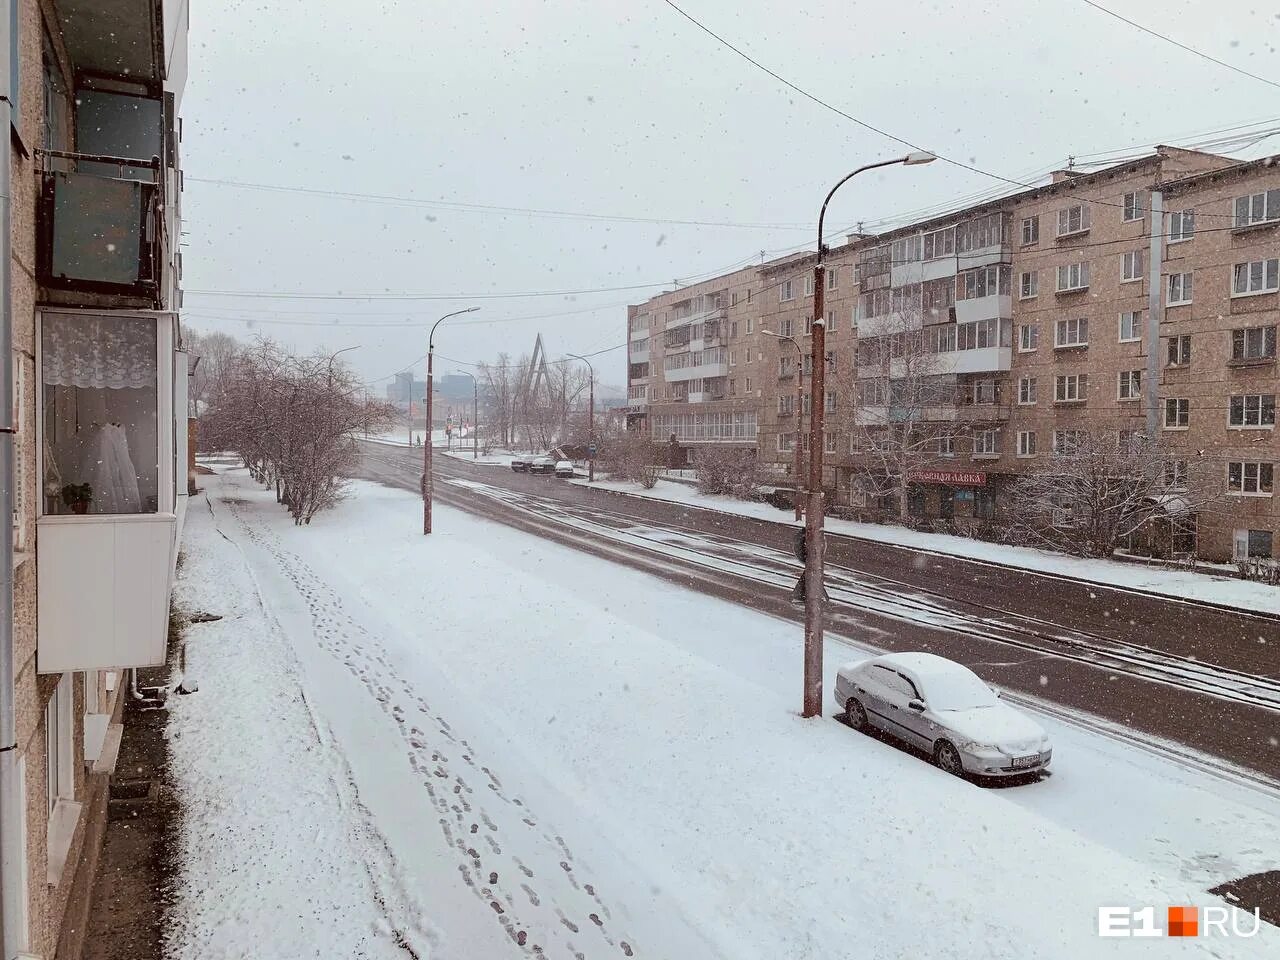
[97,230]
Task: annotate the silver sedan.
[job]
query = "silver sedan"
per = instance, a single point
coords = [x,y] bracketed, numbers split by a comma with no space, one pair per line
[946,710]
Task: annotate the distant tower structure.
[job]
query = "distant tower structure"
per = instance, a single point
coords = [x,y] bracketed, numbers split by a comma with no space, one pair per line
[535,376]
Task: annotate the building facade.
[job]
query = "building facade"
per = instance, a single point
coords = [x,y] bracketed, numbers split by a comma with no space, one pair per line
[100,427]
[1135,299]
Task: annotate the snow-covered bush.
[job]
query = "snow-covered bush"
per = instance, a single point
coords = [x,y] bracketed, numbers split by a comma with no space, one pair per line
[728,472]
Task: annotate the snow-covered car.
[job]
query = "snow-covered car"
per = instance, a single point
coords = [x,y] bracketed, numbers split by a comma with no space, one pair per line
[944,709]
[520,464]
[564,468]
[542,465]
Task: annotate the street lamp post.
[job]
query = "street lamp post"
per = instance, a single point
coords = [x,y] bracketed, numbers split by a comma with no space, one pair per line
[814,596]
[799,406]
[427,487]
[591,417]
[475,414]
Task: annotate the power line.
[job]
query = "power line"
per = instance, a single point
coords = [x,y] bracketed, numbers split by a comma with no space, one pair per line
[457,205]
[1183,46]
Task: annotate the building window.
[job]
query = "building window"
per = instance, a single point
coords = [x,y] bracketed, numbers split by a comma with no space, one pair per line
[1179,289]
[1130,326]
[1072,277]
[1131,266]
[986,443]
[831,320]
[751,327]
[1175,475]
[1028,284]
[1258,276]
[1177,414]
[747,385]
[786,442]
[1028,337]
[1249,478]
[1071,333]
[808,285]
[830,405]
[786,405]
[787,291]
[1067,443]
[807,364]
[1182,225]
[1030,231]
[1132,207]
[1026,443]
[940,243]
[784,366]
[59,728]
[808,325]
[1254,343]
[1253,410]
[786,328]
[982,282]
[1026,391]
[833,278]
[1257,208]
[1254,543]
[1073,220]
[1071,387]
[733,388]
[1129,385]
[100,409]
[829,442]
[1180,350]
[733,328]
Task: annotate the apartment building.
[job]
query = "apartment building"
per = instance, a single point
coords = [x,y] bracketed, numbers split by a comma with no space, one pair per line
[1004,330]
[100,434]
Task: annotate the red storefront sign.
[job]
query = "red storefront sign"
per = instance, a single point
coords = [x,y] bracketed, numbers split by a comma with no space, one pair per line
[956,478]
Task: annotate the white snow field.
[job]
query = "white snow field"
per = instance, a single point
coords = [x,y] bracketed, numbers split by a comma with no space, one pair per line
[481,745]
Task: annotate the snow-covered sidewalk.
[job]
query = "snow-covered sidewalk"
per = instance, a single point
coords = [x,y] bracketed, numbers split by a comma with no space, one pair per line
[1154,578]
[479,743]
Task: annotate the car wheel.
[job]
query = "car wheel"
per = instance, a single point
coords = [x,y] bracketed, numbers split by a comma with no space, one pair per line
[855,713]
[947,757]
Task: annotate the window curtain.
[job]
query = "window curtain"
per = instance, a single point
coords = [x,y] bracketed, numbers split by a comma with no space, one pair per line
[98,352]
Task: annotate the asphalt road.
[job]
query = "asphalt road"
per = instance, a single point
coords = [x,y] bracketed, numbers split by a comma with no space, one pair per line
[1192,675]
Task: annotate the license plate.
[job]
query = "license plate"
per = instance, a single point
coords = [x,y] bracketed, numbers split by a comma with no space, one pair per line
[1030,761]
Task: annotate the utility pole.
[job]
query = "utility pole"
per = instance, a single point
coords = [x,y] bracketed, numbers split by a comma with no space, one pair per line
[428,489]
[591,417]
[799,407]
[814,595]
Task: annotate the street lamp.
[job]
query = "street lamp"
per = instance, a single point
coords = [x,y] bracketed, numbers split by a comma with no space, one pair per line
[799,406]
[591,417]
[475,413]
[813,567]
[427,487]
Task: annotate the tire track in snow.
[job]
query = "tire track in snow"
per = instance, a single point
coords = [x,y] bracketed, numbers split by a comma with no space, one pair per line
[574,906]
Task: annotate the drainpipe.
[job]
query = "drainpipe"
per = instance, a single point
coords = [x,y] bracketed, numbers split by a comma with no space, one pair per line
[12,803]
[1155,297]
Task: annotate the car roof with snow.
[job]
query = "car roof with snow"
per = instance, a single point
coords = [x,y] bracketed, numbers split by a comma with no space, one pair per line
[921,663]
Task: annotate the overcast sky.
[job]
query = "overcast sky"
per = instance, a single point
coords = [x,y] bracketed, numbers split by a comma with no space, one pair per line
[626,109]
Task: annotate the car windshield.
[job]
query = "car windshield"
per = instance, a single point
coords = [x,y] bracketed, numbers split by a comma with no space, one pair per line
[957,690]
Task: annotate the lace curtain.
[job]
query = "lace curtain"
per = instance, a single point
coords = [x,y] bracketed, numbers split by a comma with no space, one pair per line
[101,352]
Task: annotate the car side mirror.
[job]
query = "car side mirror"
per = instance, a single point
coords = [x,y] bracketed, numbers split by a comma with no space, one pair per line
[916,705]
[997,692]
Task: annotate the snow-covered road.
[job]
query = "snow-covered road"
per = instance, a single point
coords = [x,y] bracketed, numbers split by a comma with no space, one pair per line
[485,745]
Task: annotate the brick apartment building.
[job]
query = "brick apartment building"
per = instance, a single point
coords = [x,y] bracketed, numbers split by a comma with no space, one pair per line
[1034,314]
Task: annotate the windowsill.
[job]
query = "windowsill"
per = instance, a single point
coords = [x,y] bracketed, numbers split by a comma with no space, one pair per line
[1071,234]
[1030,296]
[1129,340]
[1028,349]
[1251,362]
[1179,240]
[1131,220]
[1026,403]
[62,829]
[1253,293]
[1069,290]
[1177,366]
[985,456]
[1251,426]
[1250,227]
[1175,429]
[1069,403]
[1178,303]
[1127,399]
[1071,346]
[1025,456]
[1239,493]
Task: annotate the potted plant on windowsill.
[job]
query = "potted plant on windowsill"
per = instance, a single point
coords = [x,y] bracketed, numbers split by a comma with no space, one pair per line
[77,496]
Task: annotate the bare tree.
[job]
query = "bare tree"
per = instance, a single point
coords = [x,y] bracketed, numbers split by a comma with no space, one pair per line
[1103,484]
[629,455]
[215,351]
[501,389]
[894,409]
[728,471]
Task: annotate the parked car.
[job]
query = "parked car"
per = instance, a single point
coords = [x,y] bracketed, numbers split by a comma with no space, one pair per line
[542,465]
[520,464]
[944,709]
[564,469]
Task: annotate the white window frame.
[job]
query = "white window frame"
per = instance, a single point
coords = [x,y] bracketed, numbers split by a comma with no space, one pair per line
[986,443]
[1260,357]
[786,291]
[833,278]
[1131,266]
[1267,280]
[1078,271]
[60,781]
[1257,483]
[1174,346]
[1071,388]
[1251,419]
[1028,338]
[1129,385]
[1078,212]
[1134,319]
[1182,226]
[1026,391]
[1030,230]
[1028,284]
[1180,407]
[1259,208]
[808,284]
[1026,444]
[1183,285]
[1080,325]
[789,447]
[1132,207]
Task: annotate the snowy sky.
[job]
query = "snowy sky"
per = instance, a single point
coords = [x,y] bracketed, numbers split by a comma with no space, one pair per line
[627,109]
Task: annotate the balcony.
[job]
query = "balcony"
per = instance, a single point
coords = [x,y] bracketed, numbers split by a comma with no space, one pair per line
[101,226]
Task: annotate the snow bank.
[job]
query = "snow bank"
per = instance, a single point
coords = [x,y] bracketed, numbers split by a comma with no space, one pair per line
[1180,584]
